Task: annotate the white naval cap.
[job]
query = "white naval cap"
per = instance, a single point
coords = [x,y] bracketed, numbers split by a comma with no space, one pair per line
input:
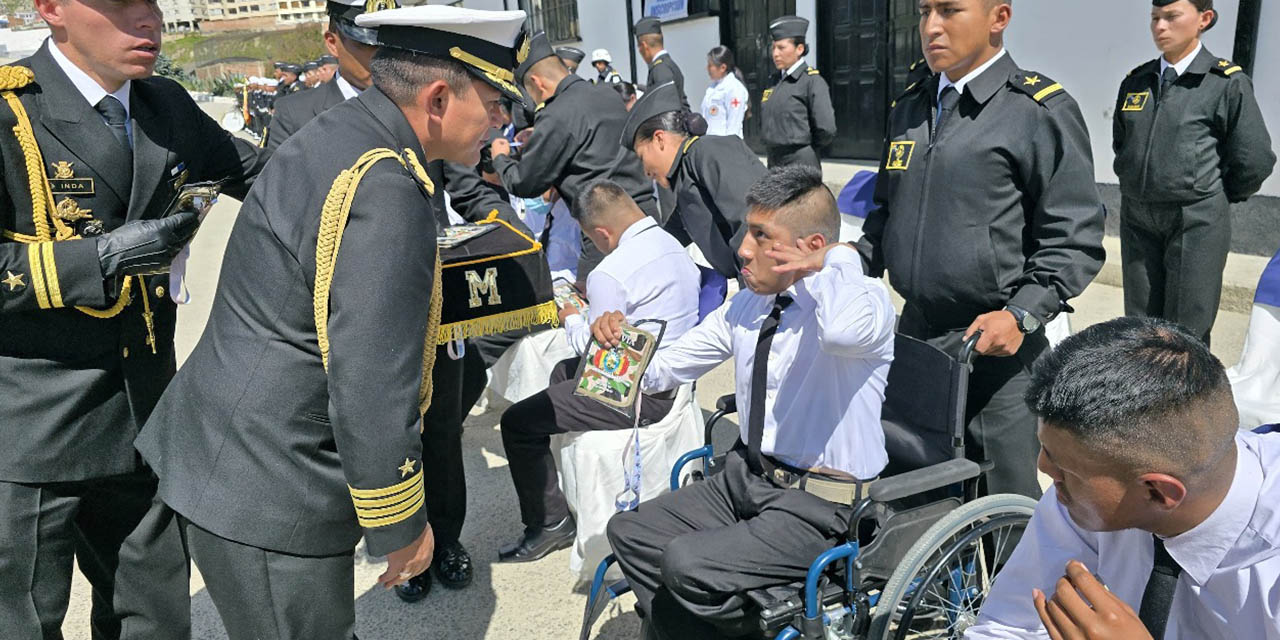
[485,42]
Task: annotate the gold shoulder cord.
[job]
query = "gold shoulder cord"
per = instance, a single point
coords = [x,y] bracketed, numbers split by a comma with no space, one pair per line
[15,77]
[333,221]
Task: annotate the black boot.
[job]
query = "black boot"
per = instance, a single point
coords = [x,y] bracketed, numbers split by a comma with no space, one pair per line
[535,544]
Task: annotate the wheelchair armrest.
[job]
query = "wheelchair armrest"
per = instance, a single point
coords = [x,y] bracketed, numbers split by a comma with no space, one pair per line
[921,480]
[727,403]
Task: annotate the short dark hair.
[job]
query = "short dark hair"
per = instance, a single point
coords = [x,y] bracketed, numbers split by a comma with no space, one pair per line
[598,200]
[625,90]
[650,39]
[1144,392]
[401,74]
[799,189]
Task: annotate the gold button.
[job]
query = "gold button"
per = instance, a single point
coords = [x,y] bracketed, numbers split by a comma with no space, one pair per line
[159,292]
[126,352]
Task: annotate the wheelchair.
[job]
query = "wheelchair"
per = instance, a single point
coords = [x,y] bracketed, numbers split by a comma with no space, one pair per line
[921,549]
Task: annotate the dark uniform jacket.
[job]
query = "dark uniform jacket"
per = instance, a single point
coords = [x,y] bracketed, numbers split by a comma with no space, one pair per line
[295,110]
[76,389]
[1206,136]
[575,141]
[474,199]
[710,176]
[1002,209]
[253,441]
[798,111]
[664,70]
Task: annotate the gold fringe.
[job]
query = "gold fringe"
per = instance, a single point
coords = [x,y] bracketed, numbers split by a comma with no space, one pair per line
[544,313]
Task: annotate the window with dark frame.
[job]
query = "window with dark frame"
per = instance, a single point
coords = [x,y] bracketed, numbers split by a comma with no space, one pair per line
[558,18]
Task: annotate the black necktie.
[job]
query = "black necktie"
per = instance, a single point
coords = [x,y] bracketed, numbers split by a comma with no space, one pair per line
[545,238]
[1167,79]
[946,104]
[113,112]
[760,383]
[1158,596]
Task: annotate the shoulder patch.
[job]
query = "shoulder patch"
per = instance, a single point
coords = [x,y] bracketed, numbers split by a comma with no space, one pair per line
[812,71]
[15,77]
[540,107]
[917,64]
[1036,85]
[1226,67]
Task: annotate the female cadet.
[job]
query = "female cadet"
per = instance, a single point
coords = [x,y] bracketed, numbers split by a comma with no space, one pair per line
[797,116]
[1189,139]
[725,104]
[709,174]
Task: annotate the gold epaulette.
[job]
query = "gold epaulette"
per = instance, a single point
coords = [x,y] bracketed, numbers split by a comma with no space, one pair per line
[1036,85]
[15,77]
[1226,67]
[813,72]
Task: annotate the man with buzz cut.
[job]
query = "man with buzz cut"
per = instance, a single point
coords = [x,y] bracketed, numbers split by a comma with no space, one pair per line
[295,427]
[662,68]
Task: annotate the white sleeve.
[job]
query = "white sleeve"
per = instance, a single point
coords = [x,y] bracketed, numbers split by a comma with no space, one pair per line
[736,114]
[855,315]
[1050,541]
[604,294]
[698,351]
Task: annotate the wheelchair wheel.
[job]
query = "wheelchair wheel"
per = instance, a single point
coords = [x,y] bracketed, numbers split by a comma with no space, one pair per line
[939,586]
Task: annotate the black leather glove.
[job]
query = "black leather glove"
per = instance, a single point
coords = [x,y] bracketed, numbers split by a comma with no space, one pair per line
[145,246]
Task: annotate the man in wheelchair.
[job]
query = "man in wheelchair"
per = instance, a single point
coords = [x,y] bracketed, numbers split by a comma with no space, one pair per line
[812,340]
[1163,520]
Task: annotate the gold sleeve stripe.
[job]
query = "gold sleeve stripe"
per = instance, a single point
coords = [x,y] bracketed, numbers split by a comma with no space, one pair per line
[1232,70]
[387,491]
[1048,91]
[373,523]
[51,275]
[37,275]
[400,505]
[371,503]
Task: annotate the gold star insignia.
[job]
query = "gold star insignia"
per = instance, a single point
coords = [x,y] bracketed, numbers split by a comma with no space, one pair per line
[1223,63]
[14,281]
[407,467]
[1031,81]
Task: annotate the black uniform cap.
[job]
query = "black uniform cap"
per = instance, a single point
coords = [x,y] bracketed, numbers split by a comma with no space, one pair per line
[647,25]
[534,50]
[290,67]
[571,53]
[1165,3]
[327,59]
[788,27]
[664,98]
[278,65]
[344,13]
[311,66]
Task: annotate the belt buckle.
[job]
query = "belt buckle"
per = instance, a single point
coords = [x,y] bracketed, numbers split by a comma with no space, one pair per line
[781,477]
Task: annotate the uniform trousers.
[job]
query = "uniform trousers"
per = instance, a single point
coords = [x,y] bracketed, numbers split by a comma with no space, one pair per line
[267,595]
[691,556]
[1173,256]
[1000,426]
[782,156]
[527,427]
[130,553]
[442,458]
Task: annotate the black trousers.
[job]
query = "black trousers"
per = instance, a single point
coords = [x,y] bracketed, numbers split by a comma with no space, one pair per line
[265,595]
[794,154]
[442,460]
[128,550]
[1000,426]
[1173,256]
[691,555]
[527,427]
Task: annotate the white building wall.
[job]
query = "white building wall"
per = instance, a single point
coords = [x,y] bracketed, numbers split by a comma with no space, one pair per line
[1266,74]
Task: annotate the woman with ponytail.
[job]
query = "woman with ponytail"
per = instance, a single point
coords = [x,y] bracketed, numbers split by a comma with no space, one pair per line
[1189,140]
[726,102]
[709,174]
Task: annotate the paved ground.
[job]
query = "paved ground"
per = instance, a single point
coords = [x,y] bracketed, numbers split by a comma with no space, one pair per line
[506,602]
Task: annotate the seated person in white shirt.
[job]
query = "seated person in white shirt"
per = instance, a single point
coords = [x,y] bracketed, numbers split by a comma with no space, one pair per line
[1163,520]
[812,427]
[645,275]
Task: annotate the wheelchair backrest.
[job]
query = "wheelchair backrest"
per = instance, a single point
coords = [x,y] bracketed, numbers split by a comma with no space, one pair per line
[924,406]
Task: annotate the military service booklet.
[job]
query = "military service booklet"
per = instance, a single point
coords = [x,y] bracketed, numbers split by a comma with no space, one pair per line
[612,376]
[567,294]
[451,237]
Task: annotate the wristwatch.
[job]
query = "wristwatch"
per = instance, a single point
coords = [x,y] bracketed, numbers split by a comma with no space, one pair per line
[1027,322]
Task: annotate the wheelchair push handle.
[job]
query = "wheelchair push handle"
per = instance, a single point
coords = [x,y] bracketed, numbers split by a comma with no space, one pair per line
[969,350]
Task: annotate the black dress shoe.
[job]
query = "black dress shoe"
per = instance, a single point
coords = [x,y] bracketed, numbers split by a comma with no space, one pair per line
[416,588]
[452,566]
[537,543]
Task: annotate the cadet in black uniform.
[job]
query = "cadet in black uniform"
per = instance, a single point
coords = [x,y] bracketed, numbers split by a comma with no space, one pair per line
[988,219]
[294,428]
[576,130]
[571,57]
[86,340]
[796,116]
[289,82]
[1189,140]
[710,175]
[662,69]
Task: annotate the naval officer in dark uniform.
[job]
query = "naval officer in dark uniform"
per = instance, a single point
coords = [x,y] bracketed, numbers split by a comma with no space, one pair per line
[988,219]
[662,68]
[1189,141]
[86,335]
[710,175]
[575,137]
[572,57]
[796,116]
[294,429]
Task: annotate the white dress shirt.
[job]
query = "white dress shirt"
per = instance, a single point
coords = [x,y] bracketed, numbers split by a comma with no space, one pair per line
[649,276]
[348,90]
[944,81]
[828,366]
[89,88]
[1230,583]
[724,106]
